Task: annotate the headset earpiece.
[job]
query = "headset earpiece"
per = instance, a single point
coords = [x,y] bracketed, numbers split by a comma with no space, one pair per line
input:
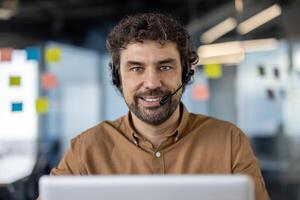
[189,76]
[191,73]
[187,73]
[115,75]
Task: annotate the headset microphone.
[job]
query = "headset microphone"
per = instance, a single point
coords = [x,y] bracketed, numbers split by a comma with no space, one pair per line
[164,100]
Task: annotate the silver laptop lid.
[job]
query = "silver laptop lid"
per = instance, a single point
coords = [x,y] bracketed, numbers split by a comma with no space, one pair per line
[165,187]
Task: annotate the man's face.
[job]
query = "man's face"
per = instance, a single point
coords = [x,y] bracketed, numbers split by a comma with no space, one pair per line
[149,71]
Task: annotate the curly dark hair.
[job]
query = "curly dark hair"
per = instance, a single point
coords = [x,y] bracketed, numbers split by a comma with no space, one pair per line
[149,26]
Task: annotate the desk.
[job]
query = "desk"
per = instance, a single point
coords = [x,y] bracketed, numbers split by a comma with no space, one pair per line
[15,167]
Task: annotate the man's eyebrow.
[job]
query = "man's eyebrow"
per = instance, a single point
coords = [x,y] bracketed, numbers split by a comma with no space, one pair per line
[159,62]
[166,61]
[132,62]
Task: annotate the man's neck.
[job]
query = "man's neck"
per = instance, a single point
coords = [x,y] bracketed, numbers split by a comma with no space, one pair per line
[156,134]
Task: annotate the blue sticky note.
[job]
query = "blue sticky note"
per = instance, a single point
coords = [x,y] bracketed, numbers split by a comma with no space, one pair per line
[33,53]
[16,107]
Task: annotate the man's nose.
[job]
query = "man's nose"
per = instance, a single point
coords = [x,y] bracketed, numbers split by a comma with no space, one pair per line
[152,79]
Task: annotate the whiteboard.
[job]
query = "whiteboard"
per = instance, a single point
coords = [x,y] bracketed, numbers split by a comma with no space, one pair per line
[21,125]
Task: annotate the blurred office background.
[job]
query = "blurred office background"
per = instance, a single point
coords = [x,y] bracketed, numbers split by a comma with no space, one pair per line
[55,81]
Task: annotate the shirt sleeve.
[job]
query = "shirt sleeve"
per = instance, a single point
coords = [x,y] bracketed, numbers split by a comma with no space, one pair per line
[245,162]
[71,161]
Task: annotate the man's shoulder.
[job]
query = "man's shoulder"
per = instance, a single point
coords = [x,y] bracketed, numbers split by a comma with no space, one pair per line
[100,132]
[216,130]
[212,123]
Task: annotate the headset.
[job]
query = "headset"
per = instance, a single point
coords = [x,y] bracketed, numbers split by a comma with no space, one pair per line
[187,74]
[115,74]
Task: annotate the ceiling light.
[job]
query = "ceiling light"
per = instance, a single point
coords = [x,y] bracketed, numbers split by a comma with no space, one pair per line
[219,30]
[259,19]
[6,13]
[239,6]
[260,45]
[233,52]
[221,53]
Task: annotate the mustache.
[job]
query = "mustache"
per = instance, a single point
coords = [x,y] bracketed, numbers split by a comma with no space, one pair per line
[155,92]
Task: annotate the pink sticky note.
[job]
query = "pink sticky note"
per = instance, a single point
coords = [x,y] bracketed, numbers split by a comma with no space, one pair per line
[49,81]
[6,54]
[200,92]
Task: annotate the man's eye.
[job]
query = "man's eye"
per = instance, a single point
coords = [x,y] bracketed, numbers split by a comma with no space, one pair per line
[165,68]
[135,69]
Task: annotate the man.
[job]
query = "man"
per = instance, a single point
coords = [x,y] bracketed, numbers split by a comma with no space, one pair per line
[151,63]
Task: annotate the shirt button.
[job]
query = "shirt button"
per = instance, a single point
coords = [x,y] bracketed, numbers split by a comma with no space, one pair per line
[157,154]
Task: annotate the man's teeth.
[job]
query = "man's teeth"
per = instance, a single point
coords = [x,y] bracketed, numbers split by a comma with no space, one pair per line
[151,99]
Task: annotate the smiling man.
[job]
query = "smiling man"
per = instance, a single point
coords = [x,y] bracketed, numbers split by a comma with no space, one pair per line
[151,64]
[151,70]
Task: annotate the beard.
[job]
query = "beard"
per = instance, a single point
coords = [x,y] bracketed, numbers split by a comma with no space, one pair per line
[154,115]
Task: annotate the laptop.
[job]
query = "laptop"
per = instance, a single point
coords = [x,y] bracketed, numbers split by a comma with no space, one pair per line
[147,187]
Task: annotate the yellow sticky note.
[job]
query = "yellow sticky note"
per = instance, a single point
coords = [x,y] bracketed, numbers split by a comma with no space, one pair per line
[213,70]
[53,55]
[15,81]
[42,105]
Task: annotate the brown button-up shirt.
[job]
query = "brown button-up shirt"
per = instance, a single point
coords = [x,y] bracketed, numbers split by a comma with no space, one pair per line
[200,145]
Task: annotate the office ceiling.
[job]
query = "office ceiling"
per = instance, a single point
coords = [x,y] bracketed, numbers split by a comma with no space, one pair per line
[57,19]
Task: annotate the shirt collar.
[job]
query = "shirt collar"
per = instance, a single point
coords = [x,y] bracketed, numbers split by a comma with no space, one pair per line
[183,121]
[178,133]
[129,130]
